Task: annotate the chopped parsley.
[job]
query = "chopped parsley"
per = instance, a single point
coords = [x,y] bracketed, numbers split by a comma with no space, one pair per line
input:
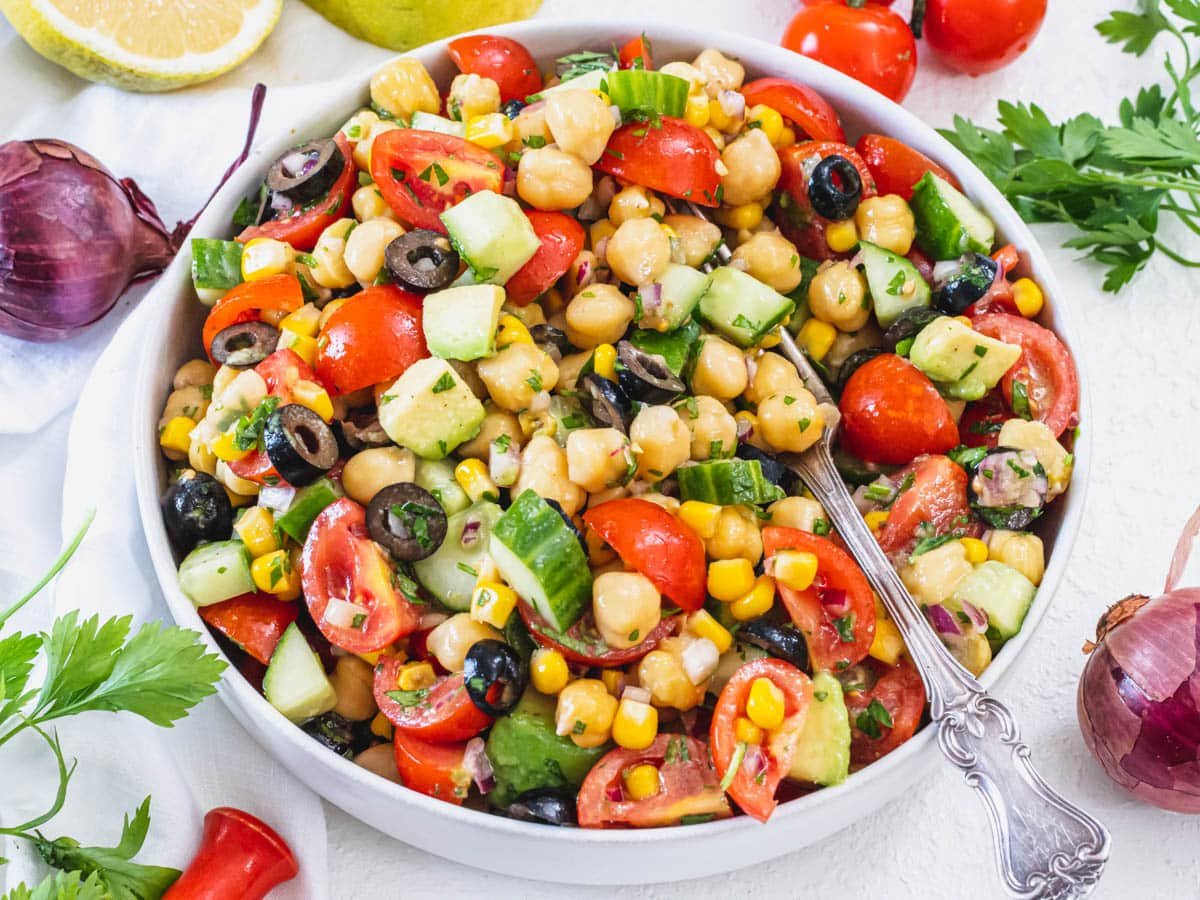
[414,519]
[1020,400]
[677,751]
[896,285]
[820,527]
[248,432]
[469,570]
[419,697]
[534,380]
[579,727]
[845,628]
[443,384]
[924,545]
[871,718]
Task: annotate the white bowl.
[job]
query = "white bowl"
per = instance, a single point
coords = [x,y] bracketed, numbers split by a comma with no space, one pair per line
[503,845]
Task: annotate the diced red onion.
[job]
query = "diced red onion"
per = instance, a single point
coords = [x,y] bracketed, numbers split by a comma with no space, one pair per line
[615,112]
[700,659]
[978,617]
[475,761]
[755,761]
[505,465]
[614,793]
[946,269]
[583,272]
[509,185]
[342,613]
[540,402]
[601,249]
[943,620]
[744,430]
[278,497]
[651,295]
[635,694]
[751,366]
[470,532]
[431,620]
[733,104]
[856,260]
[834,600]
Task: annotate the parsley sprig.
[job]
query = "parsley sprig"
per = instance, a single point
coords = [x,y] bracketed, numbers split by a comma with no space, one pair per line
[1115,184]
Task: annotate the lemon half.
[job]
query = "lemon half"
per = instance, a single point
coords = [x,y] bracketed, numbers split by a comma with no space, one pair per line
[404,24]
[144,45]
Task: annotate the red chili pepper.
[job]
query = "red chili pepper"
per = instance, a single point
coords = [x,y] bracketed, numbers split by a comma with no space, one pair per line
[240,858]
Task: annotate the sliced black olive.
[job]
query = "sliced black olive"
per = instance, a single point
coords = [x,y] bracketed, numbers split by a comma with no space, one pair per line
[1008,488]
[306,172]
[853,362]
[966,285]
[553,340]
[360,430]
[548,806]
[910,322]
[195,509]
[495,676]
[244,344]
[781,641]
[557,507]
[835,188]
[343,737]
[299,444]
[605,402]
[646,377]
[421,260]
[407,521]
[773,470]
[513,108]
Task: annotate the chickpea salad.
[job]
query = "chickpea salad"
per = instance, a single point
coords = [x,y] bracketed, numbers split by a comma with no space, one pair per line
[479,477]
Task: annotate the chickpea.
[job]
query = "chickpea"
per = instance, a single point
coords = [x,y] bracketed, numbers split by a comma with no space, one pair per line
[598,315]
[773,374]
[531,123]
[194,373]
[362,150]
[721,73]
[548,178]
[368,204]
[933,576]
[627,607]
[638,252]
[634,202]
[662,442]
[713,429]
[365,245]
[358,126]
[380,759]
[599,553]
[661,672]
[369,471]
[1037,436]
[353,680]
[472,95]
[720,370]
[402,86]
[585,712]
[450,641]
[598,458]
[801,513]
[580,123]
[330,253]
[1023,552]
[191,401]
[544,470]
[496,422]
[736,536]
[200,457]
[470,377]
[697,238]
[886,221]
[752,168]
[791,422]
[772,259]
[569,368]
[687,72]
[515,374]
[838,295]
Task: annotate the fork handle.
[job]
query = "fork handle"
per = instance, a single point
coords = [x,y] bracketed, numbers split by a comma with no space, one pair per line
[1046,847]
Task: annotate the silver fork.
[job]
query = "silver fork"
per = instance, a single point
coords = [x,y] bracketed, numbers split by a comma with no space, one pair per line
[1046,846]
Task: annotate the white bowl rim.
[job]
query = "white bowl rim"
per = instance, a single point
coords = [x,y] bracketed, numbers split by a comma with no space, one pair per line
[238,692]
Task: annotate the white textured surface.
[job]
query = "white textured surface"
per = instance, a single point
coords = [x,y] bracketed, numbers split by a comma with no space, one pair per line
[1142,366]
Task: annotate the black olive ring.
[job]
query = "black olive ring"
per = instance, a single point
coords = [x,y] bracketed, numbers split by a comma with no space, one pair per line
[835,188]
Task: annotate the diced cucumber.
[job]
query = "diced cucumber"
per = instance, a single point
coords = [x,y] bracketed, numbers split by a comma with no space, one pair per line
[430,409]
[541,559]
[295,682]
[895,283]
[306,506]
[215,572]
[741,307]
[964,363]
[1000,591]
[492,235]
[643,91]
[948,224]
[216,264]
[727,482]
[460,322]
[823,751]
[675,347]
[423,121]
[451,572]
[437,477]
[588,81]
[682,288]
[568,416]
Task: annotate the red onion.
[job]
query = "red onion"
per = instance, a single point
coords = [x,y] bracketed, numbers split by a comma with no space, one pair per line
[470,533]
[1140,691]
[978,617]
[475,761]
[942,620]
[834,600]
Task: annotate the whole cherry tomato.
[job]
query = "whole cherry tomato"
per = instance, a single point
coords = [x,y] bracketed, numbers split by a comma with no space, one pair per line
[978,36]
[870,43]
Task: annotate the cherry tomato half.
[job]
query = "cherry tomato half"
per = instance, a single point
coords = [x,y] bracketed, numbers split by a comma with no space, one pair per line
[840,602]
[301,227]
[582,643]
[981,421]
[636,54]
[673,158]
[247,301]
[808,110]
[436,770]
[281,370]
[793,211]
[254,622]
[688,786]
[897,696]
[421,174]
[892,413]
[340,560]
[371,339]
[978,36]
[754,785]
[934,503]
[657,544]
[562,238]
[869,43]
[1044,376]
[896,166]
[501,59]
[441,713]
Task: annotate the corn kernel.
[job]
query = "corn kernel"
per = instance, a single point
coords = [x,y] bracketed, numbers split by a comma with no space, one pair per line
[381,727]
[770,121]
[641,782]
[746,732]
[492,603]
[490,131]
[729,579]
[841,236]
[965,321]
[757,602]
[817,338]
[746,216]
[876,519]
[274,573]
[303,321]
[977,550]
[512,331]
[302,345]
[225,448]
[614,681]
[599,230]
[373,656]
[795,569]
[887,644]
[256,528]
[472,476]
[701,517]
[604,361]
[635,725]
[415,676]
[1028,297]
[715,136]
[176,437]
[263,257]
[696,112]
[786,138]
[702,624]
[548,671]
[765,704]
[719,119]
[770,339]
[311,395]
